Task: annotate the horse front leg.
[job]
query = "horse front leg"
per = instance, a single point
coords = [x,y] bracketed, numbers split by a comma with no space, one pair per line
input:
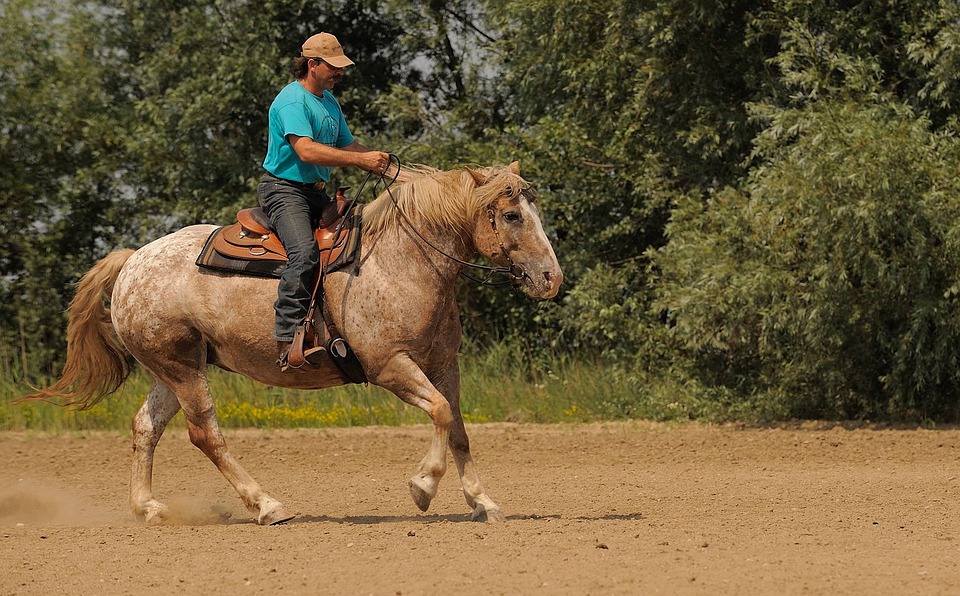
[484,508]
[404,379]
[442,403]
[426,481]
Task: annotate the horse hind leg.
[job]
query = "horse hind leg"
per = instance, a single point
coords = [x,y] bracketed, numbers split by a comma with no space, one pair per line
[182,373]
[204,431]
[148,425]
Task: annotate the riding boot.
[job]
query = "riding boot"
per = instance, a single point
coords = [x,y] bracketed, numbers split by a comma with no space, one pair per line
[283,351]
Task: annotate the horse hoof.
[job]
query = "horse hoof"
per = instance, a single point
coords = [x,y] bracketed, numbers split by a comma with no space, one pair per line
[153,518]
[276,517]
[153,513]
[420,496]
[491,516]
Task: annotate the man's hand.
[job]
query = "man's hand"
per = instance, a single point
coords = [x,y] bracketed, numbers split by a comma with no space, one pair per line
[373,161]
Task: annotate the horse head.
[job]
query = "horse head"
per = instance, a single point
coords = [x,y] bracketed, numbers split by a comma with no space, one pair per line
[509,232]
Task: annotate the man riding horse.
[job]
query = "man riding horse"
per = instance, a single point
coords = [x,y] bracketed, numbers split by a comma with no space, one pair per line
[308,136]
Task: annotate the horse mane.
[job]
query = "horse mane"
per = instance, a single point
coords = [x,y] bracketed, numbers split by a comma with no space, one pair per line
[441,199]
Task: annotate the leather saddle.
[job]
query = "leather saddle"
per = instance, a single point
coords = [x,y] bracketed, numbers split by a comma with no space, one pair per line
[251,238]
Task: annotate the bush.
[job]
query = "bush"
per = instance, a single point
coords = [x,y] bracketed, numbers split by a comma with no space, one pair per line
[827,285]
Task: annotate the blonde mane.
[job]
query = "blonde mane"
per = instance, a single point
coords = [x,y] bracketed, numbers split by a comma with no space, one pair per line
[440,199]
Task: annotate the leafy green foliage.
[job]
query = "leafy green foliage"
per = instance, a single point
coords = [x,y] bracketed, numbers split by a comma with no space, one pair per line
[62,199]
[753,203]
[826,279]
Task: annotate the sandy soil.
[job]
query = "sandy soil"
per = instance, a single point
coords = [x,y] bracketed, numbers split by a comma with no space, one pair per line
[636,508]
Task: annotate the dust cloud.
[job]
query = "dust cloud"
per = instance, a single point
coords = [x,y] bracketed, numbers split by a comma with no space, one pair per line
[32,503]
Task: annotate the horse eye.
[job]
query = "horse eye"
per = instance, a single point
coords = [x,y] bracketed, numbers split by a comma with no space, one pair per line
[511,216]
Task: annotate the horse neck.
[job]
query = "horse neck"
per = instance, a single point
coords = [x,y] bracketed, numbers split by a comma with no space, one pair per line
[426,255]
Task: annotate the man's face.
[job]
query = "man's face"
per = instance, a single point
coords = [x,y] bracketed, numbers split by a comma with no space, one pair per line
[327,76]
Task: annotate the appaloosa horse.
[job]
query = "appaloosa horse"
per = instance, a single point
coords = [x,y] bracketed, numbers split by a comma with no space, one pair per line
[396,308]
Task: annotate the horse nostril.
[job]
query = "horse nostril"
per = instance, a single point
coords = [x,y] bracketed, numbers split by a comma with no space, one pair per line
[553,278]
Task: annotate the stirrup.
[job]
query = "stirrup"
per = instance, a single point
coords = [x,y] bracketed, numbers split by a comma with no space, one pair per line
[312,356]
[298,355]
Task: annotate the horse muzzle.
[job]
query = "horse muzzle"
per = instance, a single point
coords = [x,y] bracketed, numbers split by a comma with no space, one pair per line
[541,283]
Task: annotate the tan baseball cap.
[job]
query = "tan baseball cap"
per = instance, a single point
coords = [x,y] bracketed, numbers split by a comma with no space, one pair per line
[327,48]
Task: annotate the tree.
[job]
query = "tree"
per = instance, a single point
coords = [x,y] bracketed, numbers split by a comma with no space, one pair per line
[824,287]
[62,200]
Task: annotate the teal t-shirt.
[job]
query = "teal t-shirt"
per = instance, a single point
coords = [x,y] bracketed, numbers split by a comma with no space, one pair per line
[298,112]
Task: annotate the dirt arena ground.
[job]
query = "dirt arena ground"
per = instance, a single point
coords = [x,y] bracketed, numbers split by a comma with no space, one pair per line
[631,508]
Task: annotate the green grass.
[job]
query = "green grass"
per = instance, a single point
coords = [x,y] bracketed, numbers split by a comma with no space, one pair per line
[501,385]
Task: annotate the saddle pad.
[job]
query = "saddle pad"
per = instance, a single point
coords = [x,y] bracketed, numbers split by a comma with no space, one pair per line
[271,263]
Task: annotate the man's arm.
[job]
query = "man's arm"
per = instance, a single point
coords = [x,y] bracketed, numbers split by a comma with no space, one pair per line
[353,154]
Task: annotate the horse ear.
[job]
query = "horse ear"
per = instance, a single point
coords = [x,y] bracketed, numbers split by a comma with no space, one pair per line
[514,167]
[477,176]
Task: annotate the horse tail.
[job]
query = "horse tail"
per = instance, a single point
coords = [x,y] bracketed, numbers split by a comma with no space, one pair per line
[96,363]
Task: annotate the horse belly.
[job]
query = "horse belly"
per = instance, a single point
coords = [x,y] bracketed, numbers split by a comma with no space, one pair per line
[168,311]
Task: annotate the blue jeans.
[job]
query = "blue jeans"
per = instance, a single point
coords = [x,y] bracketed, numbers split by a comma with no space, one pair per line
[293,208]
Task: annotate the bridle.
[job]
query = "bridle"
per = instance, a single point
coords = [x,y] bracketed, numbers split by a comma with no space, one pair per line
[515,272]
